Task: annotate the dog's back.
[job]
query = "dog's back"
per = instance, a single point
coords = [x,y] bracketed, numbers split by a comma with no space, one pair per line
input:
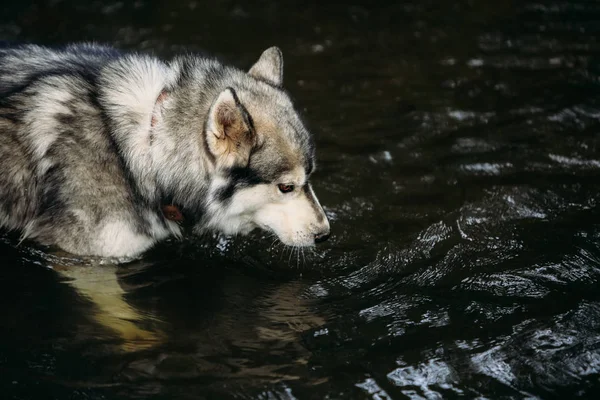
[22,66]
[61,171]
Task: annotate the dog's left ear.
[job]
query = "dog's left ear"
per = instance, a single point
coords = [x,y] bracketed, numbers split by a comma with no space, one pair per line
[269,67]
[228,130]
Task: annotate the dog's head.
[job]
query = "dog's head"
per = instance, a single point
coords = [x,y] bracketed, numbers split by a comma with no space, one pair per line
[263,157]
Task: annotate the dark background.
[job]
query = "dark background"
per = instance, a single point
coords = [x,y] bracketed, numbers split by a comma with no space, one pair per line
[458,163]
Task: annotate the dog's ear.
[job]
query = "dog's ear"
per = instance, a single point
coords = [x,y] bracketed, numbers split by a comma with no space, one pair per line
[228,130]
[269,67]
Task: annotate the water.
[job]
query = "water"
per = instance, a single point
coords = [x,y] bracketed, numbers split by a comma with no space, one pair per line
[459,165]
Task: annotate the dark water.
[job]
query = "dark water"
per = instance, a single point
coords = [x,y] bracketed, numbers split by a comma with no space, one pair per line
[459,164]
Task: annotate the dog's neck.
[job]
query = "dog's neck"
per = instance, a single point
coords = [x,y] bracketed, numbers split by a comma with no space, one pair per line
[157,126]
[157,110]
[170,211]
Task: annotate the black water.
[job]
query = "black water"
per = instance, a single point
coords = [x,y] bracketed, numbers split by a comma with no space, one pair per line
[459,164]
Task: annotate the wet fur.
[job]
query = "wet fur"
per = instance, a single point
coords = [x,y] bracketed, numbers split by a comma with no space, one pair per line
[94,141]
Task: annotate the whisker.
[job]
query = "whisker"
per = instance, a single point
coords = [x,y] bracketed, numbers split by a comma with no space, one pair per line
[291,252]
[275,240]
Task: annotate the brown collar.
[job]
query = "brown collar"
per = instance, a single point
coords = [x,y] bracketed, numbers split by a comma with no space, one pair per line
[172,213]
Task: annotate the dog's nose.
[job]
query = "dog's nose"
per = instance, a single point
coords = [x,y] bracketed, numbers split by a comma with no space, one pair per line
[321,237]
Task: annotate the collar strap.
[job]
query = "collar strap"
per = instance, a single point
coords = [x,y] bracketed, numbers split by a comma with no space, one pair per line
[172,213]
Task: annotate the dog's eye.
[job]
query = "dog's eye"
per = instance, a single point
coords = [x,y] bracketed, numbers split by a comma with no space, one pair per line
[285,188]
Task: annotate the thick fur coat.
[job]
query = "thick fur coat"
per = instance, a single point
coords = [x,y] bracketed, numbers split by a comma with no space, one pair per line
[96,144]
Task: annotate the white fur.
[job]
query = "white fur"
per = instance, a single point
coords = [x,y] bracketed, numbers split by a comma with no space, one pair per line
[42,132]
[117,239]
[158,230]
[293,220]
[130,89]
[290,216]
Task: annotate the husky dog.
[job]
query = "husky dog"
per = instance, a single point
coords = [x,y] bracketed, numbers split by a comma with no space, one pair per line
[104,153]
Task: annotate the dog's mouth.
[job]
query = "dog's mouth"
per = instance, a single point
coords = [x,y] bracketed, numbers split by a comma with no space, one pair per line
[299,242]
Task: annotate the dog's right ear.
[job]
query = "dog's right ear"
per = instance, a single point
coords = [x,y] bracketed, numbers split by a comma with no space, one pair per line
[229,136]
[269,67]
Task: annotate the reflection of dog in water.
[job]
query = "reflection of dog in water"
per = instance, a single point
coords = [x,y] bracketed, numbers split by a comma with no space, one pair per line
[100,285]
[105,153]
[275,316]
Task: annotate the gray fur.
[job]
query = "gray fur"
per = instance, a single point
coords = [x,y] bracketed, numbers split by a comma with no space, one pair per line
[89,155]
